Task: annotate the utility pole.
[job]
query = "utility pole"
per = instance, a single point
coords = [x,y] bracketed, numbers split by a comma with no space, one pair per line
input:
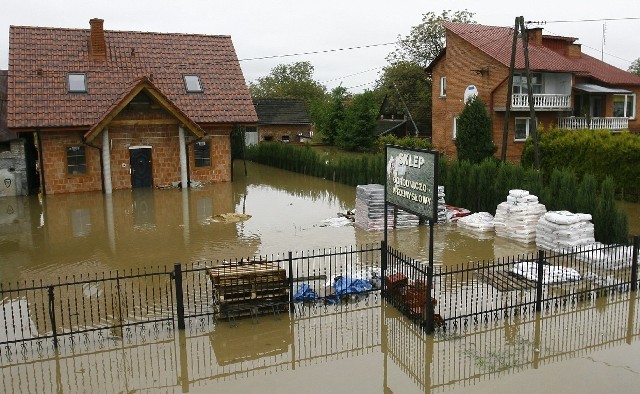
[520,28]
[507,112]
[533,130]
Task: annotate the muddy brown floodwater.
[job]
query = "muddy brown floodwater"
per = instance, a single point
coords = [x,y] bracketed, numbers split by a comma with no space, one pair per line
[365,346]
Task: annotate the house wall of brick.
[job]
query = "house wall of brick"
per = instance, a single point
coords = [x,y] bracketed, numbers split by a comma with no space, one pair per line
[462,65]
[136,125]
[219,137]
[54,164]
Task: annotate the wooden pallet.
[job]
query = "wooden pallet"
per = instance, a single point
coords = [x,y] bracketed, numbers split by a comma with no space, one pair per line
[506,281]
[249,289]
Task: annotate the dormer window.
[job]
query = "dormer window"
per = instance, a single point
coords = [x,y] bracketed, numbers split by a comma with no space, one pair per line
[192,84]
[77,82]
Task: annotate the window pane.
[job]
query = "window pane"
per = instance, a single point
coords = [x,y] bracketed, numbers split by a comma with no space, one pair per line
[202,154]
[521,129]
[631,106]
[77,83]
[192,83]
[618,106]
[76,160]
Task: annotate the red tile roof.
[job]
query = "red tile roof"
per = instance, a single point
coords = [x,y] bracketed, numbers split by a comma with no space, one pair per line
[497,42]
[41,58]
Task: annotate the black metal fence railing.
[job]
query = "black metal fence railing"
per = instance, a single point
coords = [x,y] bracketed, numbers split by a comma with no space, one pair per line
[117,303]
[481,292]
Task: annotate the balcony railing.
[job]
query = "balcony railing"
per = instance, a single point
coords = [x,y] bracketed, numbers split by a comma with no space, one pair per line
[610,123]
[542,101]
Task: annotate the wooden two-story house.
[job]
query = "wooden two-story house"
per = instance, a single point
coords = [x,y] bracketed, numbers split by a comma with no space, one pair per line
[570,89]
[118,109]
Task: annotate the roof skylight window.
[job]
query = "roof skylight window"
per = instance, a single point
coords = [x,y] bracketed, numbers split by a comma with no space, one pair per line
[77,82]
[192,84]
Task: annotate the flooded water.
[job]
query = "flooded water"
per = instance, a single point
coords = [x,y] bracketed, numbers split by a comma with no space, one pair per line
[367,347]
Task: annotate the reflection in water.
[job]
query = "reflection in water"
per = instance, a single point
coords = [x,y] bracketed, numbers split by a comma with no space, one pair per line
[363,346]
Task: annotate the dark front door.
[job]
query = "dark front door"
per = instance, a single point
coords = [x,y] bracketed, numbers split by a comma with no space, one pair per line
[140,162]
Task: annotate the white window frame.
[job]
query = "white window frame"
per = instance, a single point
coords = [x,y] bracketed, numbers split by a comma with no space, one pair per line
[443,86]
[528,131]
[454,128]
[77,82]
[192,83]
[626,98]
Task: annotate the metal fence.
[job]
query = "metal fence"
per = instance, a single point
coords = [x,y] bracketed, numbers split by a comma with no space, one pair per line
[113,304]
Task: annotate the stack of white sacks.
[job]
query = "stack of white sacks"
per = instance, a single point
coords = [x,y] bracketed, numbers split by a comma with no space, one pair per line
[563,230]
[370,210]
[517,217]
[478,222]
[370,207]
[442,206]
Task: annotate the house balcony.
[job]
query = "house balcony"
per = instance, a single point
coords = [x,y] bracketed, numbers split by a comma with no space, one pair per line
[596,123]
[541,102]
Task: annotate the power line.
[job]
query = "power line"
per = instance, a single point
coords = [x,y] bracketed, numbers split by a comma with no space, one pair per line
[583,20]
[316,52]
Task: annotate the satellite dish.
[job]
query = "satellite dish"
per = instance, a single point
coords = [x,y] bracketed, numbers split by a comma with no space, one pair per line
[470,93]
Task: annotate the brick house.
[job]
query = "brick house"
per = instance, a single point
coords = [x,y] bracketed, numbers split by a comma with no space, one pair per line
[570,89]
[120,110]
[285,120]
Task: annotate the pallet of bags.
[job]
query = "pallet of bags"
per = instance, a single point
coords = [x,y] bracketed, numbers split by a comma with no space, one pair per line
[517,217]
[442,206]
[606,256]
[478,222]
[564,230]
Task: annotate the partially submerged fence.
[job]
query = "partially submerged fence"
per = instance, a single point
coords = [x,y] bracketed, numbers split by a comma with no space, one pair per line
[114,304]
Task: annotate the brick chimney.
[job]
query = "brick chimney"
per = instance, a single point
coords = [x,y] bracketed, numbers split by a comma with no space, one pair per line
[97,44]
[573,51]
[535,36]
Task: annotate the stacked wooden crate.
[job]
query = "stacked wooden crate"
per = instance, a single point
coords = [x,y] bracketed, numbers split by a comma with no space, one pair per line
[249,288]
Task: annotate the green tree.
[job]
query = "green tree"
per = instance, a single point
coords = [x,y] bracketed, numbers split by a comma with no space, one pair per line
[294,81]
[405,83]
[474,140]
[634,68]
[426,40]
[328,114]
[357,132]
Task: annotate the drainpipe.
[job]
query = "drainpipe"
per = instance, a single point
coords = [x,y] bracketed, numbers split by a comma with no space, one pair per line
[43,189]
[106,162]
[493,92]
[85,142]
[183,158]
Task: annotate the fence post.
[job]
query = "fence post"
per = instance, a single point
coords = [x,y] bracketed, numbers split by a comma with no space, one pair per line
[383,262]
[634,263]
[540,264]
[177,278]
[52,317]
[430,324]
[291,308]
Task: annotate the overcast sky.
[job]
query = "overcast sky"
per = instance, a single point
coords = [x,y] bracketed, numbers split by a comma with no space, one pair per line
[263,28]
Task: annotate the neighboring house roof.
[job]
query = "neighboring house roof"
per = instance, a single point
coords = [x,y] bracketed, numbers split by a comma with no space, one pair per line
[5,134]
[386,126]
[282,111]
[497,42]
[41,58]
